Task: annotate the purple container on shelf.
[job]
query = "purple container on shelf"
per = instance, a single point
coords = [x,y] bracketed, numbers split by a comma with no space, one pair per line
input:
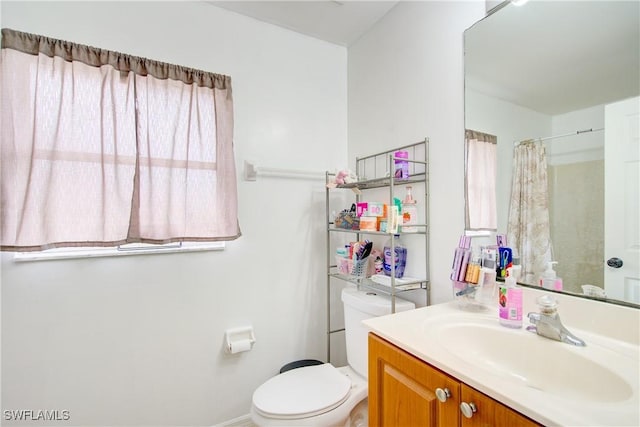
[400,257]
[402,166]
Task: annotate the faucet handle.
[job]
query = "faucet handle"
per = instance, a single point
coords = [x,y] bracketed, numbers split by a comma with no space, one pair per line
[534,317]
[548,304]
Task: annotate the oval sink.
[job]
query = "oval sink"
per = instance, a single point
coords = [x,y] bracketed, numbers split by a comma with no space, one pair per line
[534,361]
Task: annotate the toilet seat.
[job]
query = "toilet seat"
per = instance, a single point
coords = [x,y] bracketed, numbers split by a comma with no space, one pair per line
[302,392]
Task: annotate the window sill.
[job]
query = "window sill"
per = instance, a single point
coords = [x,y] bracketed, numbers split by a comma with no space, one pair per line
[129,250]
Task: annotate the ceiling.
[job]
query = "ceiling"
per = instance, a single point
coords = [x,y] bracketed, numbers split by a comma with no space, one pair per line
[339,22]
[556,56]
[549,56]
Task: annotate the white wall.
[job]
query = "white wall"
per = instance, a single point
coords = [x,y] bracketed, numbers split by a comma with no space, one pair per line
[580,147]
[406,83]
[138,340]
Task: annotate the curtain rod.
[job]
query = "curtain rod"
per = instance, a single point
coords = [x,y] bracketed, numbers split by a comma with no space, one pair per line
[578,132]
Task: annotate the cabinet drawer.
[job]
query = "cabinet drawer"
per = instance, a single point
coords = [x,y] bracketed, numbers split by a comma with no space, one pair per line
[491,413]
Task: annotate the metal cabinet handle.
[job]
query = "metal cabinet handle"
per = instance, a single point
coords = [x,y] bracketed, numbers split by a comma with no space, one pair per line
[468,409]
[443,394]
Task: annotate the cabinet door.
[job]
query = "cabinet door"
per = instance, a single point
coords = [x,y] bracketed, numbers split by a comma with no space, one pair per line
[402,390]
[491,413]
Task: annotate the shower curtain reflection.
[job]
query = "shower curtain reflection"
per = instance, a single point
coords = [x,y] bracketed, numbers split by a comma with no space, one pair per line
[528,229]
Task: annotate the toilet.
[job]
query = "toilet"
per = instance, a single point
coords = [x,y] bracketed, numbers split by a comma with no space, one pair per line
[323,395]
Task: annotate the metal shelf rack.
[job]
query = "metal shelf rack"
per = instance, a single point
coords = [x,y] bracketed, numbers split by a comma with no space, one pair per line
[373,172]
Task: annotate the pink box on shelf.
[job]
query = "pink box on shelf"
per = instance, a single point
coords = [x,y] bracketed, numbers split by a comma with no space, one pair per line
[361,208]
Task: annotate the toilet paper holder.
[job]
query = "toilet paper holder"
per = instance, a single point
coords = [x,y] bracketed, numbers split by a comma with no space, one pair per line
[239,339]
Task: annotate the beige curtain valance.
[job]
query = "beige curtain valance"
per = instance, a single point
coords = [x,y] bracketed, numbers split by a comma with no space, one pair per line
[480,136]
[97,156]
[34,44]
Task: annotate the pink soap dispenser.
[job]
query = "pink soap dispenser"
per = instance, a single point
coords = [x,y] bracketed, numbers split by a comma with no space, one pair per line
[510,302]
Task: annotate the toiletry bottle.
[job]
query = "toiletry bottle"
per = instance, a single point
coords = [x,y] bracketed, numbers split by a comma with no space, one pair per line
[510,303]
[409,212]
[378,265]
[473,269]
[558,284]
[487,286]
[475,276]
[488,276]
[516,268]
[505,260]
[548,278]
[400,257]
[401,165]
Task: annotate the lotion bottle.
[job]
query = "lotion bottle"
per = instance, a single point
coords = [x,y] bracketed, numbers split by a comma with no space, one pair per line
[549,279]
[510,303]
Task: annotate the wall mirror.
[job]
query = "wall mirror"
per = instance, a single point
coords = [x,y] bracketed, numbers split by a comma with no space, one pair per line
[548,72]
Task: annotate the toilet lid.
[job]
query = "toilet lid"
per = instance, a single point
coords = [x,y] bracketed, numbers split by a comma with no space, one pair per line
[302,392]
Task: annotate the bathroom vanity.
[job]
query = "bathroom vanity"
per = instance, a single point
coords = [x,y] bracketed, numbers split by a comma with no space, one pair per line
[444,366]
[404,390]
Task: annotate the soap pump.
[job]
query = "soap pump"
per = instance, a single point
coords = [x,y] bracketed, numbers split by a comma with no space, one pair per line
[549,279]
[510,302]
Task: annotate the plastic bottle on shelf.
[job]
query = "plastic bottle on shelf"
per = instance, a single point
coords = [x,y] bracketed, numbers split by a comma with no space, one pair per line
[400,257]
[378,265]
[409,213]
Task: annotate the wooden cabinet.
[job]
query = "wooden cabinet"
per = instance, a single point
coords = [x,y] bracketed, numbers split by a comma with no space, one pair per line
[404,391]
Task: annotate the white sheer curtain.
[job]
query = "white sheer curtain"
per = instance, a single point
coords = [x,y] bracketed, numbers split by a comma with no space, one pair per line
[100,154]
[528,228]
[480,176]
[179,174]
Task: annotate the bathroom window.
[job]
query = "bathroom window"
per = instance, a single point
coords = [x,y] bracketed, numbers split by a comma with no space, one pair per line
[102,149]
[480,181]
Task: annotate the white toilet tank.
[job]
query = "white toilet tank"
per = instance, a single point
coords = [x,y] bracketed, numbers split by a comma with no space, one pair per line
[359,306]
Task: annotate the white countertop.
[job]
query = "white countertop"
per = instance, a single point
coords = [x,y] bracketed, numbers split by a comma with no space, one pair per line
[611,342]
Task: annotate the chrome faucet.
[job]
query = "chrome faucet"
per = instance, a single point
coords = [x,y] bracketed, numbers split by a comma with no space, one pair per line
[547,323]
